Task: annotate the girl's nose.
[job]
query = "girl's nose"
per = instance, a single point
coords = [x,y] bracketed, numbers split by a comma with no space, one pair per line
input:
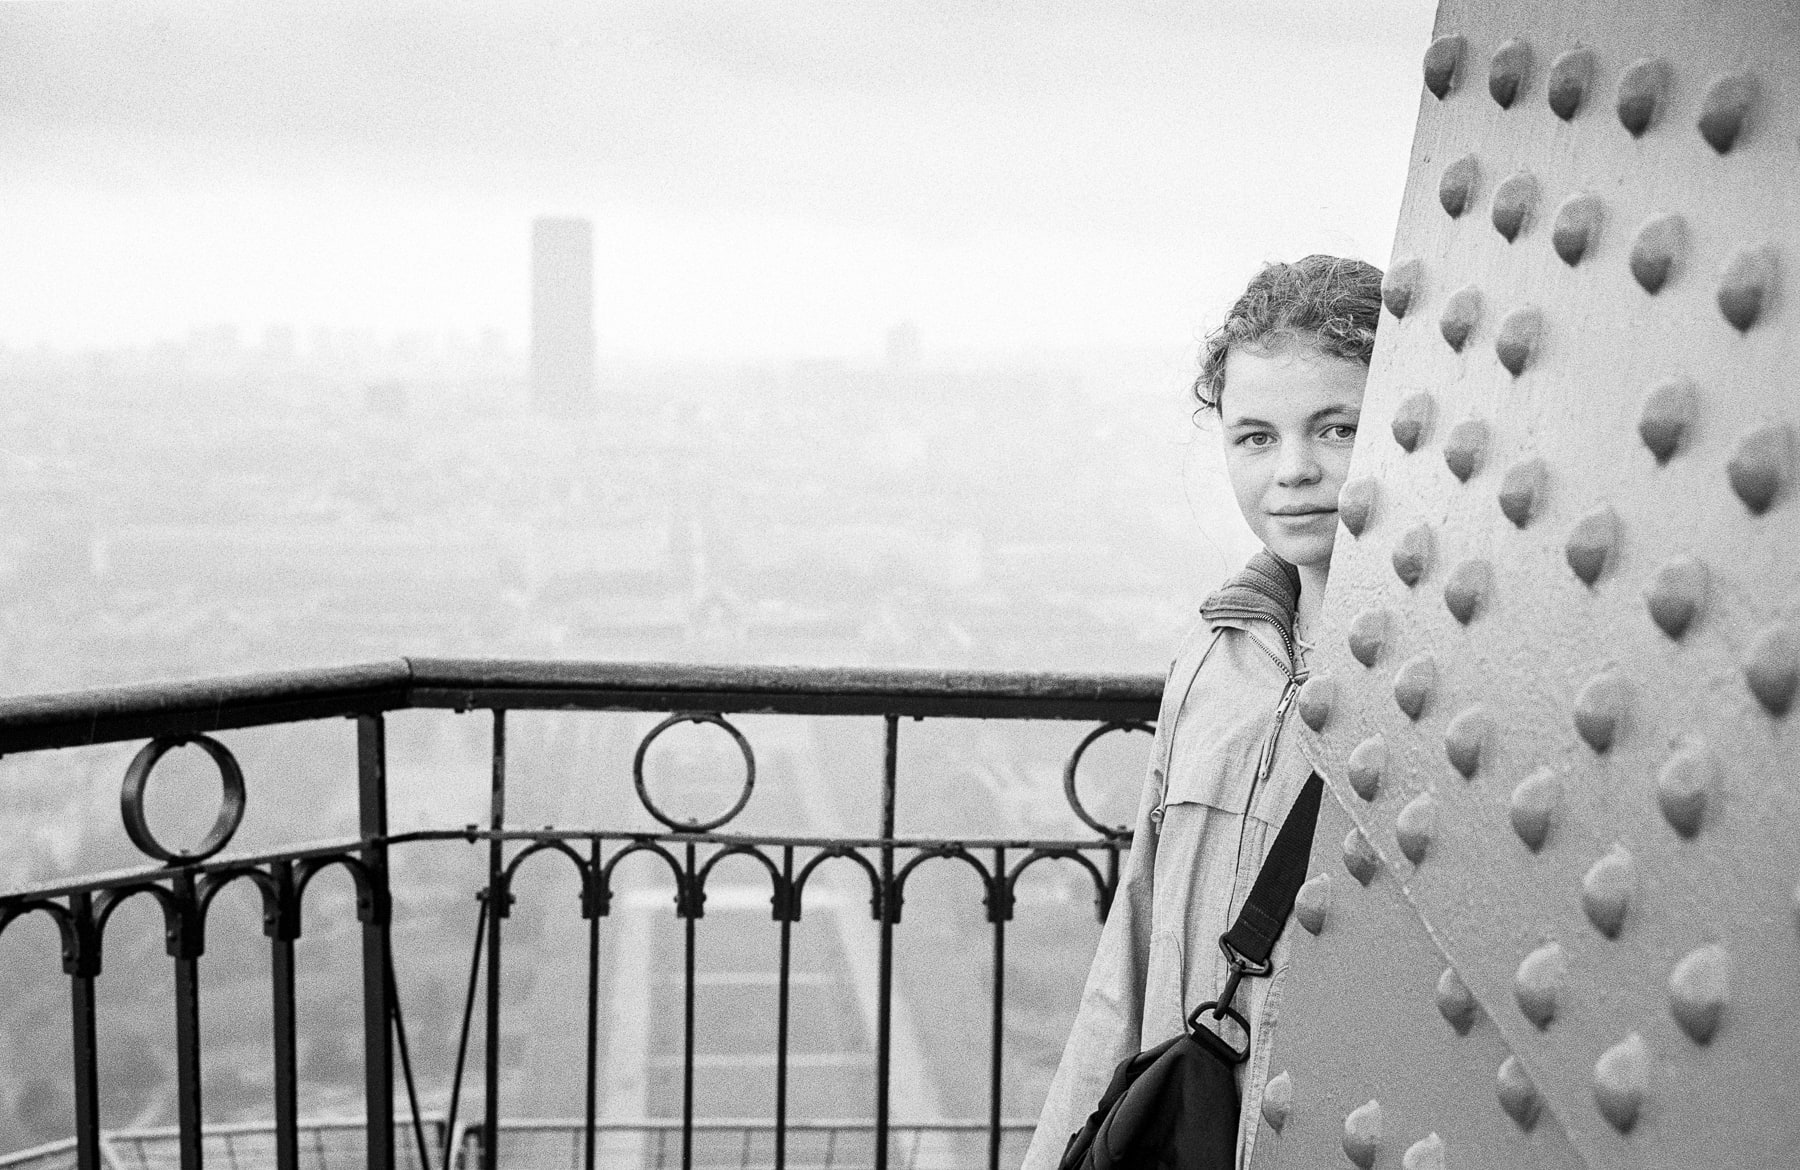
[1298,465]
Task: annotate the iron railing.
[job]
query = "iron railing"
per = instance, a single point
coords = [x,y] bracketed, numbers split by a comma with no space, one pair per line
[185,882]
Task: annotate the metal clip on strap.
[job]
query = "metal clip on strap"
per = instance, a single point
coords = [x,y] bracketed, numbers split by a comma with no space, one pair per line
[1240,967]
[1221,1008]
[1261,919]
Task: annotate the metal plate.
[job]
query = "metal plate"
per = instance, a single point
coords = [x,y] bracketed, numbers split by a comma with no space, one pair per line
[1595,493]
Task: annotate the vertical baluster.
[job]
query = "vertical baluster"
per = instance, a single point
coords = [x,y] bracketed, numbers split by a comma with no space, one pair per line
[283,927]
[462,1038]
[496,908]
[378,1050]
[999,909]
[81,960]
[185,945]
[592,908]
[781,1007]
[406,1072]
[692,911]
[885,1002]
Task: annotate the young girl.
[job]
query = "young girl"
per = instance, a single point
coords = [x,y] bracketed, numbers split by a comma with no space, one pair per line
[1285,376]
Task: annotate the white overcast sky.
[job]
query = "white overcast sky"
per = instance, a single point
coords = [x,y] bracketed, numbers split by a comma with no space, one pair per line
[766,179]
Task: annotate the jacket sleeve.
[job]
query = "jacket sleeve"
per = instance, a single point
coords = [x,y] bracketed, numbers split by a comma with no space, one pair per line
[1109,1022]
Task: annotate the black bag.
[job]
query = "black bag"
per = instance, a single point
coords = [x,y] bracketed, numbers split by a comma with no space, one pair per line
[1175,1106]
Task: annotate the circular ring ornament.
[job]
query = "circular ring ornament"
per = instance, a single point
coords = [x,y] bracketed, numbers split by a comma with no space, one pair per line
[137,779]
[1110,832]
[643,789]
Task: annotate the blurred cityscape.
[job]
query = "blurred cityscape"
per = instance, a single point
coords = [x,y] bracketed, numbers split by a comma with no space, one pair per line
[228,503]
[225,504]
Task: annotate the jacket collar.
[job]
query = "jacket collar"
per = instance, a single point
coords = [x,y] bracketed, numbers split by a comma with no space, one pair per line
[1267,588]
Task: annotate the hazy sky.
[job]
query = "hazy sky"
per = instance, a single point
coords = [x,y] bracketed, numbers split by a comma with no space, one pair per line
[766,179]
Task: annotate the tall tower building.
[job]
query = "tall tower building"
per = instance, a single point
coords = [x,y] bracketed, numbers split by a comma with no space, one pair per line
[562,313]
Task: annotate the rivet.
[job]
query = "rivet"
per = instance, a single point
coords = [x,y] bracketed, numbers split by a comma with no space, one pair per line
[1521,489]
[1360,857]
[1723,109]
[1413,685]
[1641,89]
[1518,1096]
[1455,1001]
[1669,412]
[1464,737]
[1607,890]
[1507,72]
[1684,786]
[1412,418]
[1362,1134]
[1356,499]
[1415,825]
[1469,585]
[1655,251]
[1570,76]
[1533,807]
[1425,1154]
[1591,543]
[1761,466]
[1464,447]
[1456,187]
[1367,760]
[1312,902]
[1675,593]
[1368,633]
[1621,1076]
[1514,201]
[1519,339]
[1699,987]
[1773,668]
[1577,223]
[1315,699]
[1401,285]
[1278,1100]
[1412,555]
[1441,60]
[1460,314]
[1746,286]
[1539,981]
[1600,709]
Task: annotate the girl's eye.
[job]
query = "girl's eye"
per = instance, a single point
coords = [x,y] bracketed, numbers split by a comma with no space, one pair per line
[1344,432]
[1256,439]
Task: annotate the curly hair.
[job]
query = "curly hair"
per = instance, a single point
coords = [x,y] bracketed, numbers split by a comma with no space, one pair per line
[1329,303]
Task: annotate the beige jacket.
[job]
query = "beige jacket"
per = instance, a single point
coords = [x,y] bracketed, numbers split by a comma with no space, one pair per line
[1224,771]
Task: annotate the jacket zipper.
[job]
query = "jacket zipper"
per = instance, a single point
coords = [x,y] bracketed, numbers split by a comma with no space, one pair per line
[1265,760]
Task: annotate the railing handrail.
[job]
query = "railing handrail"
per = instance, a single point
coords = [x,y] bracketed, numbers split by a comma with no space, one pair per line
[139,711]
[36,1153]
[132,1133]
[714,1124]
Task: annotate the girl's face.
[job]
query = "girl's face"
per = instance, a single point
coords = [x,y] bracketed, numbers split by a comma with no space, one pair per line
[1289,421]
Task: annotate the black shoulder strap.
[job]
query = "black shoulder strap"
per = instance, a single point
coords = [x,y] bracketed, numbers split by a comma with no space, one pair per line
[1283,871]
